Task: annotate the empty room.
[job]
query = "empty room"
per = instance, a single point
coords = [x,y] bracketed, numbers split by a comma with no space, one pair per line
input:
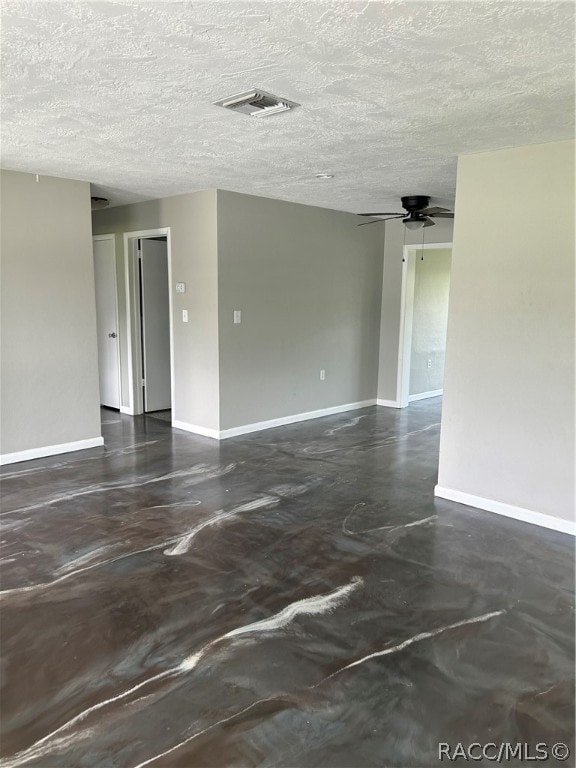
[287,384]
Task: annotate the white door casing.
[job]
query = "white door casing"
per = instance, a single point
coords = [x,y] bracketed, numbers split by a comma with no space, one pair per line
[153,269]
[107,319]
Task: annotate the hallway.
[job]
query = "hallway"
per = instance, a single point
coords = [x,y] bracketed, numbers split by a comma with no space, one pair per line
[294,597]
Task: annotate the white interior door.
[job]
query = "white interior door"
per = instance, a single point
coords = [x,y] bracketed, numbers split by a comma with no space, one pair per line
[154,295]
[107,321]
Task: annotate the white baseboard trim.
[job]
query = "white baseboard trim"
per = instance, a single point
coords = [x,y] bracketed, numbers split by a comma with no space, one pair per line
[389,403]
[507,510]
[204,431]
[425,395]
[50,450]
[127,410]
[258,426]
[282,421]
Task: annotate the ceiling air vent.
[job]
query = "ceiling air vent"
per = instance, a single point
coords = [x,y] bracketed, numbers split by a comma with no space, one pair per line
[256,103]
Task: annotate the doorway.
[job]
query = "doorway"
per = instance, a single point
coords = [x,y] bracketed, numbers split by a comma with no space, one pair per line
[105,283]
[149,303]
[424,316]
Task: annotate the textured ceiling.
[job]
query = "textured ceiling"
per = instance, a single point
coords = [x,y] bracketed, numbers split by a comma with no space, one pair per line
[120,94]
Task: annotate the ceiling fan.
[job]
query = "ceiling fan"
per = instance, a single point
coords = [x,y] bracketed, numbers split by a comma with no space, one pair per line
[417,213]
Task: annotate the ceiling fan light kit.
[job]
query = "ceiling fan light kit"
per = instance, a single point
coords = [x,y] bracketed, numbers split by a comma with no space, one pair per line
[99,202]
[414,223]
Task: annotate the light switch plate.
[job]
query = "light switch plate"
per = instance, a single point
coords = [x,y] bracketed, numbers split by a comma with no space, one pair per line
[180,287]
[184,315]
[237,316]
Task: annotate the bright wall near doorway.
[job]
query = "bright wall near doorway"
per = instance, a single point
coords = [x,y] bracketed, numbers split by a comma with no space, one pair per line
[507,439]
[50,398]
[430,316]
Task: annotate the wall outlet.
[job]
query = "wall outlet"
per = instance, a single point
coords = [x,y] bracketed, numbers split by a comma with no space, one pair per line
[184,315]
[429,363]
[180,287]
[322,375]
[237,316]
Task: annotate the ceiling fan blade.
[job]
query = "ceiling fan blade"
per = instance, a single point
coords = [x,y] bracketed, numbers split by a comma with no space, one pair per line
[441,215]
[381,214]
[433,210]
[428,223]
[379,221]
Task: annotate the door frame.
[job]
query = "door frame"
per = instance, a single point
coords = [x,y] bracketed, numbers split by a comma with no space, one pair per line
[112,237]
[407,317]
[135,364]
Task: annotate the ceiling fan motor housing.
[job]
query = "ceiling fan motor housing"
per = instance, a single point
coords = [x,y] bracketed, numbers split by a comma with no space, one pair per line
[414,203]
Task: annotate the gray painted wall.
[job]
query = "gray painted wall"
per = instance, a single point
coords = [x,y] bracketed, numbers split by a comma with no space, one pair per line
[49,367]
[192,219]
[307,281]
[395,237]
[431,289]
[508,417]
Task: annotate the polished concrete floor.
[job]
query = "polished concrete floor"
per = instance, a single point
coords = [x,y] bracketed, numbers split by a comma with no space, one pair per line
[295,598]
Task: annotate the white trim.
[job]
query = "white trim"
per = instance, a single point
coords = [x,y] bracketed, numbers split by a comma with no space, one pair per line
[425,395]
[136,405]
[507,510]
[127,248]
[258,426]
[128,411]
[204,431]
[389,403]
[50,450]
[404,344]
[117,313]
[407,316]
[282,421]
[171,320]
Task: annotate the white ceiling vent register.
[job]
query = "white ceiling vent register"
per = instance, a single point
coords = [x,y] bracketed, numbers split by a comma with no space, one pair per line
[256,103]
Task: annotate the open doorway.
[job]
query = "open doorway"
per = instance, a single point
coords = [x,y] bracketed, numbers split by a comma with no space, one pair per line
[149,302]
[426,283]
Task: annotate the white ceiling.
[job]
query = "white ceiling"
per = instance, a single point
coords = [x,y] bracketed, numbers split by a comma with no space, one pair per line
[120,94]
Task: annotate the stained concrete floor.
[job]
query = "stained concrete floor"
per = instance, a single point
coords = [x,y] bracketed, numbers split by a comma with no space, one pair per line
[295,597]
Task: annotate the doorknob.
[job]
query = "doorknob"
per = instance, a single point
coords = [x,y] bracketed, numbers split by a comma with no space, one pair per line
[112,335]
